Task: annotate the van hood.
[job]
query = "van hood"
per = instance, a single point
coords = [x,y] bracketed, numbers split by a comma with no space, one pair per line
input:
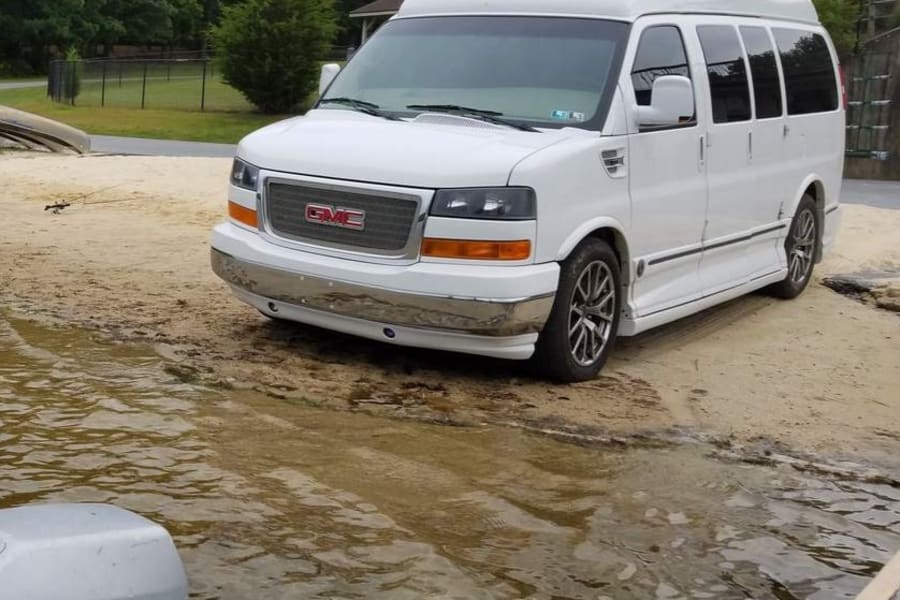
[431,151]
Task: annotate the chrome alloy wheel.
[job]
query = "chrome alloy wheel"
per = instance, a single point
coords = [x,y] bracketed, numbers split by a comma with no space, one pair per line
[592,313]
[803,243]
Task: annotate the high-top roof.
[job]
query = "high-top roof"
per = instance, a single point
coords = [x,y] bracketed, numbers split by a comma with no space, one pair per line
[626,10]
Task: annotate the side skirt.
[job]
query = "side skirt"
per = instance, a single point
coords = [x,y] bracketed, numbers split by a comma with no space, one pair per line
[630,327]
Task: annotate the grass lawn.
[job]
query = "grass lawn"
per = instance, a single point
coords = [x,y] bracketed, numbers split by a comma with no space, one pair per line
[173,109]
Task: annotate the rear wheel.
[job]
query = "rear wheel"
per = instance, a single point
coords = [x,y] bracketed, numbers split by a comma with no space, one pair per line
[584,322]
[800,247]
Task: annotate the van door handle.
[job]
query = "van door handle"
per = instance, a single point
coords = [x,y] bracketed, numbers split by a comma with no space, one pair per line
[702,152]
[750,145]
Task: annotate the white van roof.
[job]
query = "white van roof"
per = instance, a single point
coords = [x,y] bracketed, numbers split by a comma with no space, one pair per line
[624,10]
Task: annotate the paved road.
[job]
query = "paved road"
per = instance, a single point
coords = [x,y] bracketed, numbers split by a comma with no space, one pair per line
[881,194]
[147,147]
[17,85]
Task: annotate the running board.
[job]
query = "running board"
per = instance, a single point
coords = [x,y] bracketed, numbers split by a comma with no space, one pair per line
[630,327]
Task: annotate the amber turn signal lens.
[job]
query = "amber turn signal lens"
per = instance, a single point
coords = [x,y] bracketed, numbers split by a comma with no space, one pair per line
[242,214]
[476,249]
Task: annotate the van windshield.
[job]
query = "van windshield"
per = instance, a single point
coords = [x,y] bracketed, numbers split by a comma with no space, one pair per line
[537,71]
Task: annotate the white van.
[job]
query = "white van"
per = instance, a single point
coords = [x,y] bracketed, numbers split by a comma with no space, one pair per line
[531,178]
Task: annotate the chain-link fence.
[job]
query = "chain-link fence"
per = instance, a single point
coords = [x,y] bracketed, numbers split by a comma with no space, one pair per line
[170,83]
[184,84]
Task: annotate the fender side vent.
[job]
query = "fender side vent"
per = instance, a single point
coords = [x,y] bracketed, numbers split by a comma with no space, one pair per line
[614,162]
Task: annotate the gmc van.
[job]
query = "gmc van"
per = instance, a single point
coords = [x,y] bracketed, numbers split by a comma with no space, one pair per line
[533,178]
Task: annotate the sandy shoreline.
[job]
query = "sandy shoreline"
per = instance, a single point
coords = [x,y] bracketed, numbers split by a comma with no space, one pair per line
[129,257]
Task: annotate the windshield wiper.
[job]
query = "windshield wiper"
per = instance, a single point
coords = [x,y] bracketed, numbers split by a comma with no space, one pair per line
[489,116]
[370,108]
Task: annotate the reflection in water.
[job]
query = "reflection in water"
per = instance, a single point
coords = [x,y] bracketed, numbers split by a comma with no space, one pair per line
[272,500]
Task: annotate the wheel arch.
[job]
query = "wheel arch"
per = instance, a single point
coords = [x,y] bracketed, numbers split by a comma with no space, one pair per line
[814,186]
[608,230]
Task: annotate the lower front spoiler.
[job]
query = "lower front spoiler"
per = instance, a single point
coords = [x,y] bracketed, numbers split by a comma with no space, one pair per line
[502,329]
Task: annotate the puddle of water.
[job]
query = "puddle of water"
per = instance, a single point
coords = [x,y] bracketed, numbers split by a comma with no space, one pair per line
[271,500]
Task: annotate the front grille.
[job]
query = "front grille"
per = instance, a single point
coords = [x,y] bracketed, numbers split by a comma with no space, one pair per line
[388,220]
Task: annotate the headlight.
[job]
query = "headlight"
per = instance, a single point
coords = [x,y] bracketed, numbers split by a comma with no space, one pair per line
[501,204]
[244,175]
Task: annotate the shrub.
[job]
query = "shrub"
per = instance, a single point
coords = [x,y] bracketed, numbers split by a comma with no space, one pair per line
[270,50]
[72,75]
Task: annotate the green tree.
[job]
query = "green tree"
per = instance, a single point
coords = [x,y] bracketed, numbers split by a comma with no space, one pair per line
[34,31]
[840,18]
[270,50]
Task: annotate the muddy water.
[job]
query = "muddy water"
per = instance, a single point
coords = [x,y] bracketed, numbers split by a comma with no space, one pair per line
[267,499]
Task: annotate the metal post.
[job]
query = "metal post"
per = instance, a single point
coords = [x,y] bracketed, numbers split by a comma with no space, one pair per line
[103,86]
[144,87]
[203,88]
[72,74]
[53,81]
[873,19]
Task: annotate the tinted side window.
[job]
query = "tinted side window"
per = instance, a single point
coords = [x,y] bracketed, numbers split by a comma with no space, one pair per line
[764,69]
[661,52]
[808,71]
[728,82]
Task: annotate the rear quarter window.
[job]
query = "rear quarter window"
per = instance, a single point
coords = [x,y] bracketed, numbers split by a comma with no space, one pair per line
[808,71]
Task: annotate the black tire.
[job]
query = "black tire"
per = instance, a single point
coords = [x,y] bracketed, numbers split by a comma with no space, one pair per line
[801,247]
[554,355]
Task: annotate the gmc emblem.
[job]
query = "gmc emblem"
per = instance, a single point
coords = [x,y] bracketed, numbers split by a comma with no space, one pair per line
[345,218]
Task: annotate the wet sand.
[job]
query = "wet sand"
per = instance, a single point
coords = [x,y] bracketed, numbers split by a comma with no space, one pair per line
[268,499]
[129,258]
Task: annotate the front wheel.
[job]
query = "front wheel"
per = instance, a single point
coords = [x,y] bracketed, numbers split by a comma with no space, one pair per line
[800,247]
[584,322]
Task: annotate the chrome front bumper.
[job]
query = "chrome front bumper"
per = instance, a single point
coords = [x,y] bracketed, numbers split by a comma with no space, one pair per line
[482,317]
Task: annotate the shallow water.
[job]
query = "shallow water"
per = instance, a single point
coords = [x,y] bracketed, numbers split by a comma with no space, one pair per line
[268,499]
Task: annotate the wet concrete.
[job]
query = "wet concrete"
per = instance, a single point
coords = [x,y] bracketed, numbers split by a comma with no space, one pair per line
[274,499]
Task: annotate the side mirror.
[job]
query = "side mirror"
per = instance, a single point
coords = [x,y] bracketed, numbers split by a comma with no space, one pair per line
[81,551]
[329,72]
[673,100]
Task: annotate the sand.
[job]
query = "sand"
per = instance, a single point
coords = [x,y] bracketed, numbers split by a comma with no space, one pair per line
[129,259]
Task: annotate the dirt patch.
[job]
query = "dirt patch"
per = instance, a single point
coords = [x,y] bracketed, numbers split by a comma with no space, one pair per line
[129,258]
